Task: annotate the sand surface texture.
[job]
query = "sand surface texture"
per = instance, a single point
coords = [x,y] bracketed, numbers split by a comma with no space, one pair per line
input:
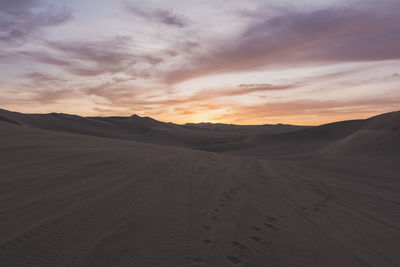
[133,191]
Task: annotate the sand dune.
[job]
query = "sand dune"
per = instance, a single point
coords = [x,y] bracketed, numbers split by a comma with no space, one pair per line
[143,129]
[87,192]
[378,135]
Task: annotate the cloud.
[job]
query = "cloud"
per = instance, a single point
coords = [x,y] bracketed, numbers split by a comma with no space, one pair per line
[48,96]
[42,88]
[30,95]
[309,111]
[305,111]
[116,95]
[24,19]
[112,51]
[45,57]
[37,79]
[335,34]
[158,15]
[128,95]
[133,67]
[92,58]
[181,47]
[245,89]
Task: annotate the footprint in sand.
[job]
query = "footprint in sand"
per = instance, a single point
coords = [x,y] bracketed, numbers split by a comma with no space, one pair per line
[243,247]
[234,260]
[198,260]
[270,226]
[239,245]
[256,228]
[255,238]
[207,241]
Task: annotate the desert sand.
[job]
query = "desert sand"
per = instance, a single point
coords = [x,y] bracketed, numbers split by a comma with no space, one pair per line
[133,191]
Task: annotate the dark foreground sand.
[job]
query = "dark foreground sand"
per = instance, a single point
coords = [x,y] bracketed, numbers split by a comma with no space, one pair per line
[69,199]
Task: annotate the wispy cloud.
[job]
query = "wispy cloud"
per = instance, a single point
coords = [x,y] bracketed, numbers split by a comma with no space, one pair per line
[127,95]
[158,15]
[39,79]
[262,87]
[334,34]
[255,62]
[92,58]
[114,94]
[48,96]
[308,111]
[24,19]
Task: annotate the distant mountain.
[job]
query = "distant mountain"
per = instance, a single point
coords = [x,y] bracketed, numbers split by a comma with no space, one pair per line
[376,135]
[143,129]
[252,129]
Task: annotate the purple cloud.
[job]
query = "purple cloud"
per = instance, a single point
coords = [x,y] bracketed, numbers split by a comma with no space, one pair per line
[40,79]
[92,58]
[22,19]
[159,15]
[335,34]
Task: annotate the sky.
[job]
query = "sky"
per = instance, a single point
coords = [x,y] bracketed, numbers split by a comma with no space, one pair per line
[303,62]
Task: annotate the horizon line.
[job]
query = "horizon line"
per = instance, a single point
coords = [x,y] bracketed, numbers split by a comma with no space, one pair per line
[201,122]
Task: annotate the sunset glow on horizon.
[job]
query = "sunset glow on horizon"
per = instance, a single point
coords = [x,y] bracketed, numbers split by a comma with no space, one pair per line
[243,62]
